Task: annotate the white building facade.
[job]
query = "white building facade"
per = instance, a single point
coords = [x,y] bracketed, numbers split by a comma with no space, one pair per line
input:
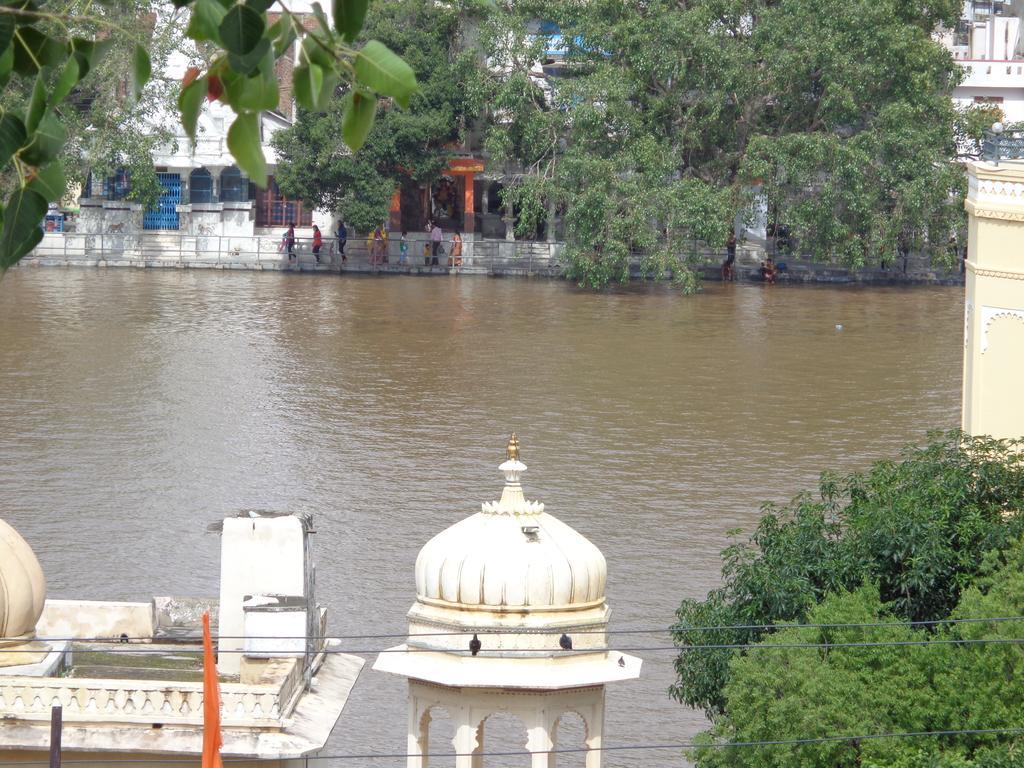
[988,47]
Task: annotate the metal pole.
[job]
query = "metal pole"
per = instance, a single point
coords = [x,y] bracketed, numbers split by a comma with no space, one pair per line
[56,723]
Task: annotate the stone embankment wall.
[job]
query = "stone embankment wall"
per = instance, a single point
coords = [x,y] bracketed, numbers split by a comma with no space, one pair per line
[479,257]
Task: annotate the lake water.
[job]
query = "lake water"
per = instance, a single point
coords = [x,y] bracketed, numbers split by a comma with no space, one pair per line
[137,407]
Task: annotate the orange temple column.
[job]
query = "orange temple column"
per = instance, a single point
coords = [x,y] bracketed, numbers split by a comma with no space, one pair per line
[467,168]
[395,212]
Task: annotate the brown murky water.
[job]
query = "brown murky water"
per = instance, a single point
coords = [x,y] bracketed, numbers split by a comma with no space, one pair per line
[136,407]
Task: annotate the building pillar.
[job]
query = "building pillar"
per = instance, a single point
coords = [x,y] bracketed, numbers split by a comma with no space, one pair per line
[595,730]
[418,746]
[468,210]
[478,753]
[994,307]
[510,221]
[394,211]
[465,740]
[539,740]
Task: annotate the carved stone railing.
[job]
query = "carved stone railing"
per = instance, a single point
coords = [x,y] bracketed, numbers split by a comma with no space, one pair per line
[165,702]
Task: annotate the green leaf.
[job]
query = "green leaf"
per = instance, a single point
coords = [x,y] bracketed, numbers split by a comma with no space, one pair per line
[6,64]
[206,19]
[25,211]
[250,62]
[89,52]
[349,16]
[285,35]
[315,53]
[321,17]
[6,30]
[379,68]
[357,120]
[252,94]
[12,136]
[190,103]
[68,79]
[260,6]
[326,91]
[241,30]
[50,182]
[46,143]
[307,80]
[244,143]
[141,70]
[36,105]
[34,51]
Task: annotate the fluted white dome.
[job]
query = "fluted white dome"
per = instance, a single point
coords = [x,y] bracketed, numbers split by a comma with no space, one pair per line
[22,587]
[511,557]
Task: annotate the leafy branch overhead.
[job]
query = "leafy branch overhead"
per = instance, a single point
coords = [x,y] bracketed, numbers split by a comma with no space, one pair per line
[45,56]
[244,75]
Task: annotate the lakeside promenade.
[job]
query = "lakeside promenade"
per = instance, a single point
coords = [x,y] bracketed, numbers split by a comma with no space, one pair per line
[496,258]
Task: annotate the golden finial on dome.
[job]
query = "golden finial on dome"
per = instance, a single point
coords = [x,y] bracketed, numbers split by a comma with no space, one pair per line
[512,450]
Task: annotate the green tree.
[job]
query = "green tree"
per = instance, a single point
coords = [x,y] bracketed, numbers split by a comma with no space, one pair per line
[48,50]
[670,114]
[918,527]
[803,684]
[406,147]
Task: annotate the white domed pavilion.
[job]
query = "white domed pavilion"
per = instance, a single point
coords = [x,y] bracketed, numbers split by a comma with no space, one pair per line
[22,588]
[510,615]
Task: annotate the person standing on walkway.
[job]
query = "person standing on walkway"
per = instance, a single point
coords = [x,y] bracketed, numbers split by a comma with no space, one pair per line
[376,248]
[342,236]
[289,240]
[728,266]
[403,249]
[455,260]
[436,237]
[318,242]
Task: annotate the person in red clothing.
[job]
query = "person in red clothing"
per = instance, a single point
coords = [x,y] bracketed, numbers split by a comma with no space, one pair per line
[318,242]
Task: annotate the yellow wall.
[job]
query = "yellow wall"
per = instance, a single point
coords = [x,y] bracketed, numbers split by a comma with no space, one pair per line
[993,391]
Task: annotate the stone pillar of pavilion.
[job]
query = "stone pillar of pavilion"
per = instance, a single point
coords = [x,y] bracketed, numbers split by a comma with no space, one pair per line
[510,616]
[994,306]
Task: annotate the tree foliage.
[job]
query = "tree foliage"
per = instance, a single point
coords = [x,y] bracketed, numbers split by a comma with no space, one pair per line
[50,51]
[670,115]
[918,527]
[932,682]
[405,147]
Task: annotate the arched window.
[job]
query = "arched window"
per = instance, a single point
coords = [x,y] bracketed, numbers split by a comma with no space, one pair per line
[234,187]
[200,186]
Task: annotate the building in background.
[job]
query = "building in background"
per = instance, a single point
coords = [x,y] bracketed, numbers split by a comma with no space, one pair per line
[988,47]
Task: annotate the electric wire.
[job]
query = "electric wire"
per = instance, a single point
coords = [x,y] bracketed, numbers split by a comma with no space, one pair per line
[557,631]
[141,649]
[753,744]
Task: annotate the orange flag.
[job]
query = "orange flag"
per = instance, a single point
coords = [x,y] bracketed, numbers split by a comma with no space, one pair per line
[211,702]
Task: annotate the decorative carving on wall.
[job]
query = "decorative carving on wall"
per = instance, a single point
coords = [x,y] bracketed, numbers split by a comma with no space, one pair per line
[999,273]
[990,314]
[984,213]
[968,309]
[1001,188]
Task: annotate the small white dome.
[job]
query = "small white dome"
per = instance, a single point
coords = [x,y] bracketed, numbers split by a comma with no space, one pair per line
[22,587]
[511,557]
[488,561]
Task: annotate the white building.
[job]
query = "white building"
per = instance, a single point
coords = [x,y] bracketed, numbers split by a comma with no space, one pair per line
[128,676]
[207,200]
[510,616]
[987,45]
